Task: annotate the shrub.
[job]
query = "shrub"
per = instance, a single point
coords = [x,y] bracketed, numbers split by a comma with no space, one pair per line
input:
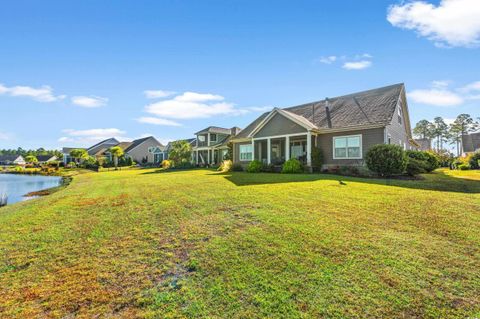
[474,160]
[254,166]
[166,164]
[226,166]
[185,164]
[386,159]
[433,161]
[429,160]
[292,166]
[237,167]
[415,167]
[317,157]
[463,167]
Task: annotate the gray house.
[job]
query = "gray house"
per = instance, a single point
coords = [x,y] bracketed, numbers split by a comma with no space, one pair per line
[344,128]
[12,160]
[471,143]
[211,144]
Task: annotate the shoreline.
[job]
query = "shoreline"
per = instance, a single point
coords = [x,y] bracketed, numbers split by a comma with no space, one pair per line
[64,182]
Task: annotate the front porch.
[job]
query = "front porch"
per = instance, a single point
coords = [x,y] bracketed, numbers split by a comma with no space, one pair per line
[276,150]
[209,156]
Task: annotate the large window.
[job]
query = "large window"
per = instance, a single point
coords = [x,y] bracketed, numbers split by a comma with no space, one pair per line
[246,152]
[347,147]
[213,137]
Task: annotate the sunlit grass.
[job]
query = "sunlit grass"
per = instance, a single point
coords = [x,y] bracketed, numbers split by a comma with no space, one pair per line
[144,243]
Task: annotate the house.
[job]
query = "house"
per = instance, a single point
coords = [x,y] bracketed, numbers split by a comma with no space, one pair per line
[424,144]
[45,159]
[344,128]
[145,150]
[471,143]
[12,160]
[211,144]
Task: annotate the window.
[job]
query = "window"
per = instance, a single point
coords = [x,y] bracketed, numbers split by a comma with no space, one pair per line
[246,152]
[213,137]
[347,147]
[389,139]
[201,138]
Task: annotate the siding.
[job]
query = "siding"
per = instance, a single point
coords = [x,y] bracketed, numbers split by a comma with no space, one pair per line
[398,131]
[236,152]
[141,151]
[279,125]
[370,137]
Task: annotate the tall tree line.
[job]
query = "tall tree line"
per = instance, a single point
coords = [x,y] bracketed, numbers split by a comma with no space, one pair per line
[23,152]
[442,133]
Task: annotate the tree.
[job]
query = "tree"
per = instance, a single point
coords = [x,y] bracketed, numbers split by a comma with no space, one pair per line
[423,129]
[462,125]
[31,159]
[181,152]
[440,132]
[116,152]
[79,155]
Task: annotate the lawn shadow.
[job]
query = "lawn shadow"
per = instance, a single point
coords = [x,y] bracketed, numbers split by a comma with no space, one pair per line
[437,181]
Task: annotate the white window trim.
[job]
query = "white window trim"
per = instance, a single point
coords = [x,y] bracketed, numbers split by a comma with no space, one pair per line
[240,153]
[347,158]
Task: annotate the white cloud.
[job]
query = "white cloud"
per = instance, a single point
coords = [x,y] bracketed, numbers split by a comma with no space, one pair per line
[41,94]
[156,94]
[191,105]
[357,65]
[259,108]
[452,22]
[472,87]
[4,136]
[327,59]
[437,97]
[158,121]
[89,101]
[87,137]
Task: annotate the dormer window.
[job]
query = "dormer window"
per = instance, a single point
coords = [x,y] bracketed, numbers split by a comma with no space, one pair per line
[213,137]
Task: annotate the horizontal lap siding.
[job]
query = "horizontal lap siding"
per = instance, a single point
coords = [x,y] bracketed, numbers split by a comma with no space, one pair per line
[280,125]
[370,137]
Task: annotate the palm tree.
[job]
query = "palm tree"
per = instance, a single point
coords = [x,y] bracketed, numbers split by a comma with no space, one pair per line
[31,159]
[116,152]
[79,154]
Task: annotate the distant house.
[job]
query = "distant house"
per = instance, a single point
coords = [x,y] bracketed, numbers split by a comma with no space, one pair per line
[145,150]
[471,143]
[211,144]
[344,128]
[44,159]
[424,144]
[12,160]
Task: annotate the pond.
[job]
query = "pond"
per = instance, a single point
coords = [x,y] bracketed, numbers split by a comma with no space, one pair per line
[15,186]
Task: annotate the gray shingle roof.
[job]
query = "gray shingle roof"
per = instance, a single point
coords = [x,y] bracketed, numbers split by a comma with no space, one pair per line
[139,141]
[372,107]
[215,129]
[471,142]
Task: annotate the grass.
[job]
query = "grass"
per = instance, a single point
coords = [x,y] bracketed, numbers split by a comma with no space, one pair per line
[170,244]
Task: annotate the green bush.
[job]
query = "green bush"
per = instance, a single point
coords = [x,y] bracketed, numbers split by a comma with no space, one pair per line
[226,166]
[429,160]
[317,157]
[254,166]
[237,167]
[433,161]
[474,160]
[386,159]
[166,164]
[415,167]
[292,166]
[463,167]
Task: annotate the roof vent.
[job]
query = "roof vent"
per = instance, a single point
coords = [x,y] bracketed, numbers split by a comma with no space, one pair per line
[327,111]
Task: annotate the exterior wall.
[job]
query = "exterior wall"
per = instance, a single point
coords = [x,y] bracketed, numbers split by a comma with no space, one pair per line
[398,131]
[370,137]
[220,139]
[236,152]
[280,125]
[141,151]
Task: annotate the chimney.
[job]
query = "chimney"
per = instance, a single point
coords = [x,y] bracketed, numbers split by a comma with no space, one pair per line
[327,111]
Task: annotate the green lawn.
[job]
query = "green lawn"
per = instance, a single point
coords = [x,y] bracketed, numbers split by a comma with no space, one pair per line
[145,243]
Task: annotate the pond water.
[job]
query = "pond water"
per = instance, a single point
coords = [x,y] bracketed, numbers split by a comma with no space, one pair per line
[15,185]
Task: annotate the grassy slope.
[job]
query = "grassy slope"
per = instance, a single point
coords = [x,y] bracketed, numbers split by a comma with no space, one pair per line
[201,244]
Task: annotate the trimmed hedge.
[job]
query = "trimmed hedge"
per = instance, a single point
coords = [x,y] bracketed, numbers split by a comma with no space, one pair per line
[429,161]
[292,166]
[254,166]
[386,159]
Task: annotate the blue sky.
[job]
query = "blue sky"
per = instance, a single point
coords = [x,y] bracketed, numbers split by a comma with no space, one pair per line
[74,72]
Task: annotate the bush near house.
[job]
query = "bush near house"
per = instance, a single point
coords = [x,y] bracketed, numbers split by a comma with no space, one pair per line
[415,167]
[317,157]
[474,160]
[254,166]
[386,159]
[166,164]
[292,166]
[429,161]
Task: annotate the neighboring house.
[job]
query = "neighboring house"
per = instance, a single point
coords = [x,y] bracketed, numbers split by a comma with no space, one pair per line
[211,144]
[12,160]
[424,144]
[145,150]
[344,128]
[44,159]
[471,143]
[66,158]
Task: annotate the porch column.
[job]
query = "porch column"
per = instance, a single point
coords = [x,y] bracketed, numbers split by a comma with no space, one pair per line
[197,158]
[287,148]
[309,148]
[253,149]
[208,139]
[269,150]
[208,156]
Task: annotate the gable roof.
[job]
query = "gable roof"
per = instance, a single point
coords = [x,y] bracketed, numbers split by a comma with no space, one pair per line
[215,129]
[471,142]
[140,141]
[10,158]
[44,158]
[367,108]
[109,141]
